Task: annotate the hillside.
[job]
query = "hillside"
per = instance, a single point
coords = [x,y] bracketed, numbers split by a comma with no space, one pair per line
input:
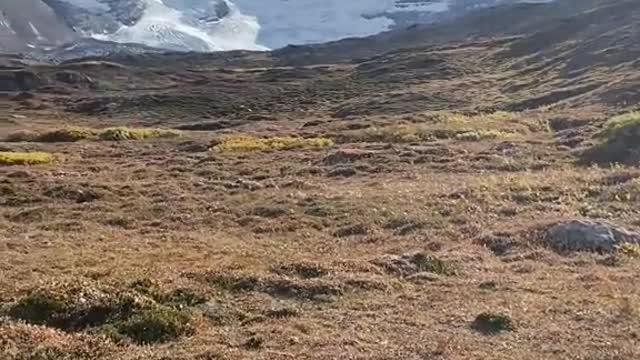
[466,190]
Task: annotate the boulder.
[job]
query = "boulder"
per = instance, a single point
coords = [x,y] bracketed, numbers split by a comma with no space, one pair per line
[585,235]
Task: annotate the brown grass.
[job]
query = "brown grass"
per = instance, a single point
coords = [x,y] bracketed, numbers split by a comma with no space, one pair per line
[417,235]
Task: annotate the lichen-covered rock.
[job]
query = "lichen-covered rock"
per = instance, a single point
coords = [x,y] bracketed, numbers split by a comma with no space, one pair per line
[583,235]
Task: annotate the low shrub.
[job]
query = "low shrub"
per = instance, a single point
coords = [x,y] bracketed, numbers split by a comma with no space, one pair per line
[74,134]
[66,135]
[246,143]
[8,158]
[124,133]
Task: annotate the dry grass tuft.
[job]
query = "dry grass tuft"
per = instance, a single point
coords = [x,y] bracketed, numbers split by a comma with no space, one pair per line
[628,249]
[67,135]
[444,125]
[8,158]
[125,133]
[246,143]
[74,134]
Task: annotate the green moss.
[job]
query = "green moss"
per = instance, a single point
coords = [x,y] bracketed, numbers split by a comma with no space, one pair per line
[179,298]
[430,263]
[493,323]
[157,324]
[40,308]
[118,314]
[621,141]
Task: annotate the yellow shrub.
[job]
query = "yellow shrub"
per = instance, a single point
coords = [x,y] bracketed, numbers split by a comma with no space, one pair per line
[246,143]
[25,158]
[632,250]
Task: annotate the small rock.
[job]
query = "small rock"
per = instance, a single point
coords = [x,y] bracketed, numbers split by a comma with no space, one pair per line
[584,235]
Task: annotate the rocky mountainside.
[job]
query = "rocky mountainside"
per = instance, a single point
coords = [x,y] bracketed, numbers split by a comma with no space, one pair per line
[545,54]
[204,25]
[31,24]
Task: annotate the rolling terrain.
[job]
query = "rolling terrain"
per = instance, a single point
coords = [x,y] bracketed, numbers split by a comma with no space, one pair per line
[410,195]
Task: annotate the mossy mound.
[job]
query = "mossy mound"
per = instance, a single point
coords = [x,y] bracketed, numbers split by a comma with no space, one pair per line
[120,314]
[493,323]
[621,141]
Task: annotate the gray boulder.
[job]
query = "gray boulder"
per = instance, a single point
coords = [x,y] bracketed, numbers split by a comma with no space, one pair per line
[584,235]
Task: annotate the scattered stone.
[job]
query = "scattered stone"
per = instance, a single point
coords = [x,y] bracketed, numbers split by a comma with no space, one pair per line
[585,235]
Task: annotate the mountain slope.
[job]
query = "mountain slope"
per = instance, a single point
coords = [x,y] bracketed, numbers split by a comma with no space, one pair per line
[214,25]
[26,24]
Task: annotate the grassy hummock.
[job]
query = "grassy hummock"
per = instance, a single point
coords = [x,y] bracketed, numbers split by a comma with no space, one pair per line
[8,158]
[247,143]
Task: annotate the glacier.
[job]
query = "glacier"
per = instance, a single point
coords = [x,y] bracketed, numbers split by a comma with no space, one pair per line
[214,25]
